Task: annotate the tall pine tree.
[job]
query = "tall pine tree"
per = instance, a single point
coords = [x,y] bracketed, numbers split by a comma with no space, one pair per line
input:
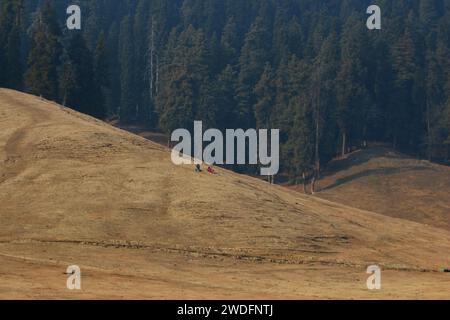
[44,56]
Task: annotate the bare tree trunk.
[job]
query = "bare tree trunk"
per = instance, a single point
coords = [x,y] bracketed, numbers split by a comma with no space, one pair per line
[364,136]
[447,153]
[157,75]
[429,136]
[317,153]
[304,183]
[313,184]
[316,101]
[316,147]
[344,138]
[152,53]
[20,6]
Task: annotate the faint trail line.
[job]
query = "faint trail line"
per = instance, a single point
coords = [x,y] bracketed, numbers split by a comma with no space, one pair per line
[84,267]
[199,253]
[116,273]
[13,148]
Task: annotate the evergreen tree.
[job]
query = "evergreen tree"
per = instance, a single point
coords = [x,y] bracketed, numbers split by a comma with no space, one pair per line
[322,99]
[81,94]
[230,42]
[404,64]
[44,57]
[293,115]
[141,48]
[113,99]
[254,55]
[11,12]
[128,104]
[225,100]
[101,71]
[69,87]
[265,97]
[352,94]
[184,79]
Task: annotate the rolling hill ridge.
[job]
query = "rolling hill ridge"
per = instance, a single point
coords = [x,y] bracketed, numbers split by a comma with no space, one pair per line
[76,190]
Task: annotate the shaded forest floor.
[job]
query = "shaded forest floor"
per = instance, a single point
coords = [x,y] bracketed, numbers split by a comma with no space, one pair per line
[74,190]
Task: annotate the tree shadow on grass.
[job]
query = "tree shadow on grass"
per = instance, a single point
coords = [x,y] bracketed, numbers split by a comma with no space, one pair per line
[371,172]
[359,157]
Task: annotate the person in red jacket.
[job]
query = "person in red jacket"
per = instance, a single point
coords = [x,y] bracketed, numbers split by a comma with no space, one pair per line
[211,170]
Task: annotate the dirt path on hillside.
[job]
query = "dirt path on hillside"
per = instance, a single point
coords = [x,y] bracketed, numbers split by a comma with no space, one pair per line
[15,147]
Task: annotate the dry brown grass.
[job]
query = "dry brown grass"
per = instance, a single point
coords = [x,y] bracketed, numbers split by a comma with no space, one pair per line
[74,190]
[384,181]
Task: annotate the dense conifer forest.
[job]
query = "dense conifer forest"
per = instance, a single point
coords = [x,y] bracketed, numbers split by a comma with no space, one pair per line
[310,68]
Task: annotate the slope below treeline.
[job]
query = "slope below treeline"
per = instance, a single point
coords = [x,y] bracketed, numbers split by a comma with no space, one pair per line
[76,190]
[384,181]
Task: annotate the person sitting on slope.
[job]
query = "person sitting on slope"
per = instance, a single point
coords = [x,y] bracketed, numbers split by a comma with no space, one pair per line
[211,170]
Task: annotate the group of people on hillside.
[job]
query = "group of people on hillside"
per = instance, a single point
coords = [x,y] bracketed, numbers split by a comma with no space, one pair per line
[210,170]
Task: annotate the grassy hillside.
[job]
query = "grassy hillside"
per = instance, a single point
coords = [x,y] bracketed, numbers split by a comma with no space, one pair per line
[78,191]
[384,181]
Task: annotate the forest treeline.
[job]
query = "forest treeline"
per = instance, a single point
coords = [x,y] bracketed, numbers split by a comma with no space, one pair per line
[310,68]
